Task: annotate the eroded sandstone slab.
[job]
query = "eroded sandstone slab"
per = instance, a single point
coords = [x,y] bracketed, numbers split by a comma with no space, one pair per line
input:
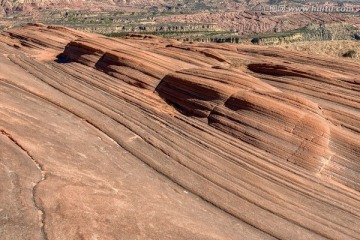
[148,138]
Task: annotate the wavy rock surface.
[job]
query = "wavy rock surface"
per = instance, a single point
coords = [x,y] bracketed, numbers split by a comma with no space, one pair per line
[147,138]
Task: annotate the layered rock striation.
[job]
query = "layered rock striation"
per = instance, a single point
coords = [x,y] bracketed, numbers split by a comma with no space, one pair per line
[149,138]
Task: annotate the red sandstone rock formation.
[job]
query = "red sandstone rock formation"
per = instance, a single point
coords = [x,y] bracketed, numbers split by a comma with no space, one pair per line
[147,138]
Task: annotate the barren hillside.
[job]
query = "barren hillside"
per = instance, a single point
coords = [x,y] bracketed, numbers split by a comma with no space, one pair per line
[349,50]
